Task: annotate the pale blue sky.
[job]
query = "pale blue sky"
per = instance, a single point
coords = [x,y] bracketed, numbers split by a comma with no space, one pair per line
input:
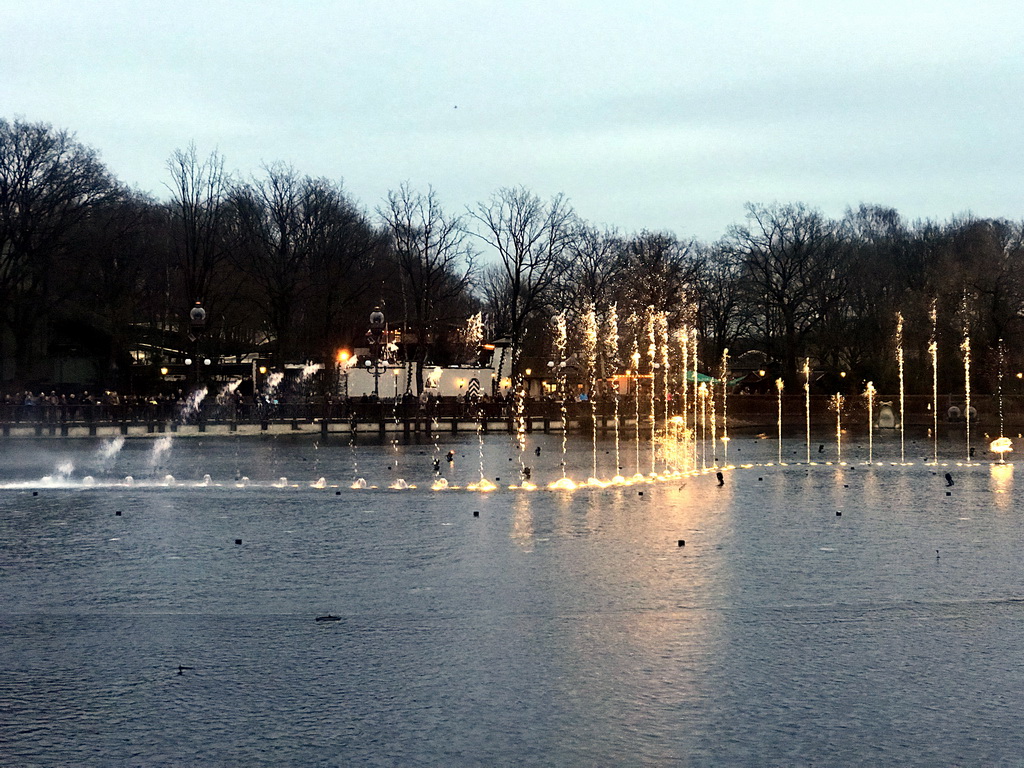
[650,115]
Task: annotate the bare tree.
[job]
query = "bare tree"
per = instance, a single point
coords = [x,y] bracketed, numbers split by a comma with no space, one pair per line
[50,185]
[660,271]
[531,239]
[596,262]
[271,248]
[435,263]
[199,190]
[794,273]
[718,297]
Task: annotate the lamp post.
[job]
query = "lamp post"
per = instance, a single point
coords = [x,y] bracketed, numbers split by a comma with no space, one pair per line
[343,357]
[375,337]
[197,324]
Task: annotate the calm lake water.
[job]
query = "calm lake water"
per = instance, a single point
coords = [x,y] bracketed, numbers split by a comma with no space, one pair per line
[554,629]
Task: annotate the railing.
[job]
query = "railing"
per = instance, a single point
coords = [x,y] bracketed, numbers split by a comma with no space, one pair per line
[743,410]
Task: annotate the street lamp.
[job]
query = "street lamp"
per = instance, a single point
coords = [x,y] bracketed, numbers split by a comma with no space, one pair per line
[343,357]
[197,324]
[375,337]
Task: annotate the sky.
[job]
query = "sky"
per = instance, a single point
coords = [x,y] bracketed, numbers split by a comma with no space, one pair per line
[648,115]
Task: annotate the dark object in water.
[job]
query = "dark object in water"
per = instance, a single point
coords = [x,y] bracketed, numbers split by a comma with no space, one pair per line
[328,617]
[682,543]
[181,669]
[450,456]
[537,450]
[721,479]
[949,480]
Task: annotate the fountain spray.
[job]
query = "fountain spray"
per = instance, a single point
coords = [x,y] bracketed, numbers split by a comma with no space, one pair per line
[933,350]
[966,347]
[899,363]
[837,406]
[561,342]
[635,358]
[725,405]
[663,334]
[611,341]
[590,353]
[696,414]
[869,395]
[780,385]
[807,403]
[652,357]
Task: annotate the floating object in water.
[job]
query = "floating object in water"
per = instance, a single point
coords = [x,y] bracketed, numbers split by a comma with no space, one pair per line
[181,669]
[118,513]
[721,479]
[328,617]
[237,542]
[450,456]
[682,543]
[537,450]
[838,513]
[821,448]
[949,480]
[476,513]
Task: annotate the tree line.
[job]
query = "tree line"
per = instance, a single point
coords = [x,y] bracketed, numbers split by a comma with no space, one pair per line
[290,265]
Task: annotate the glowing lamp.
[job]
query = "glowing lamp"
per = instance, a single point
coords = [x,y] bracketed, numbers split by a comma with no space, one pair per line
[163,371]
[188,361]
[263,370]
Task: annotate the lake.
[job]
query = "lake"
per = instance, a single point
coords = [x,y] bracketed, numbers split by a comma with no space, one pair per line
[825,614]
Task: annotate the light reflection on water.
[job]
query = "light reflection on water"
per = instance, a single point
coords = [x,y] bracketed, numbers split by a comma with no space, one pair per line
[556,628]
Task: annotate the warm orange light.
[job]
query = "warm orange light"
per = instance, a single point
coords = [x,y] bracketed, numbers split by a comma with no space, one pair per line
[842,374]
[163,371]
[263,369]
[489,347]
[343,355]
[761,373]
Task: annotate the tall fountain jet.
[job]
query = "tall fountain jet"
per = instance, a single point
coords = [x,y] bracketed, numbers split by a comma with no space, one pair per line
[966,348]
[933,351]
[652,359]
[590,355]
[780,385]
[869,396]
[899,364]
[611,347]
[724,375]
[837,406]
[807,404]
